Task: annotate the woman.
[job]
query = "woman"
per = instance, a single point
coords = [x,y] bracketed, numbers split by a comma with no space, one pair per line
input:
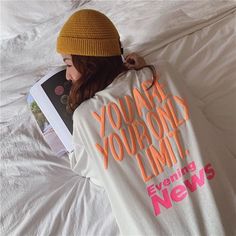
[133,136]
[90,46]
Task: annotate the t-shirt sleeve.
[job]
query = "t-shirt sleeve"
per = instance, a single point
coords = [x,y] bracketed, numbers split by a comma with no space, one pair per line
[80,161]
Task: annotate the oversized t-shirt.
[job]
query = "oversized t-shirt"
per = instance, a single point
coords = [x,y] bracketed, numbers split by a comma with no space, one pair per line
[165,170]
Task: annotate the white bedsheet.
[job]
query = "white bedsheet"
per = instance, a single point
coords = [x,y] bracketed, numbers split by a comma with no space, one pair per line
[40,195]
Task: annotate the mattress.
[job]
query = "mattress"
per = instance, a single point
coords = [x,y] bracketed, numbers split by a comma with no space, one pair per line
[40,194]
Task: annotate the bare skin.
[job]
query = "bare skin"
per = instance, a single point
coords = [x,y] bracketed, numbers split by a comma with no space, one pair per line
[134,61]
[71,72]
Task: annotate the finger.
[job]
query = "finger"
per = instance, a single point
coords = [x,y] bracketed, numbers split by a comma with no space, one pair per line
[131,61]
[131,55]
[129,66]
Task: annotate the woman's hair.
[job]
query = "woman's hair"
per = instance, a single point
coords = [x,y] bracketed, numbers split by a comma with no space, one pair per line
[96,74]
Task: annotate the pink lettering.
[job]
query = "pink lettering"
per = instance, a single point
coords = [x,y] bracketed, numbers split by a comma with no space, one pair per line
[166,182]
[178,193]
[195,180]
[210,173]
[165,201]
[151,190]
[159,186]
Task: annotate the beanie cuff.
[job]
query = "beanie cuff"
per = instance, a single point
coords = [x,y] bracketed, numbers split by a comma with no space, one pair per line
[88,47]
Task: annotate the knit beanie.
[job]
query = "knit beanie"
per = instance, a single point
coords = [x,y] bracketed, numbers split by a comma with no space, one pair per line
[89,33]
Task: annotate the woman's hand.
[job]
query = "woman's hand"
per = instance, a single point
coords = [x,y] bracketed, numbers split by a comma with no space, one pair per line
[134,61]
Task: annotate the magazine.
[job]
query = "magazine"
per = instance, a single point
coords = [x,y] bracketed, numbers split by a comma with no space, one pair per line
[48,103]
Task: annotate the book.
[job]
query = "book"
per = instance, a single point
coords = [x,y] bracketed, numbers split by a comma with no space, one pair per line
[48,102]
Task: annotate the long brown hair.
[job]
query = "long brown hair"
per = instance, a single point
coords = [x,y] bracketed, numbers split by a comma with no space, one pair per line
[96,74]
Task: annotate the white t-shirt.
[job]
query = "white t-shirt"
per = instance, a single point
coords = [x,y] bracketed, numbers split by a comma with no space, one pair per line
[165,170]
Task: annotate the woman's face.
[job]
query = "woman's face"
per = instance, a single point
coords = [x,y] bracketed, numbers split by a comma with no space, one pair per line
[71,72]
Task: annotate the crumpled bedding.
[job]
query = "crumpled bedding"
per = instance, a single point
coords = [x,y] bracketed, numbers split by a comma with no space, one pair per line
[40,194]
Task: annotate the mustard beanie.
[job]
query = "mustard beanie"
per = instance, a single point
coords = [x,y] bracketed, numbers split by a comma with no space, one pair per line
[89,33]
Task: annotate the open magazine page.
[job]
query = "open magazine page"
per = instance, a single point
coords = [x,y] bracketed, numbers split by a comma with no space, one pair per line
[48,132]
[50,95]
[57,89]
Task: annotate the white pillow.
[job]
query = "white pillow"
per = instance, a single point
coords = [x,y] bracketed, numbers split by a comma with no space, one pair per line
[20,16]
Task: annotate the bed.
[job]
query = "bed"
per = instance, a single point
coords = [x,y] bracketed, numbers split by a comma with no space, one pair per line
[40,194]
